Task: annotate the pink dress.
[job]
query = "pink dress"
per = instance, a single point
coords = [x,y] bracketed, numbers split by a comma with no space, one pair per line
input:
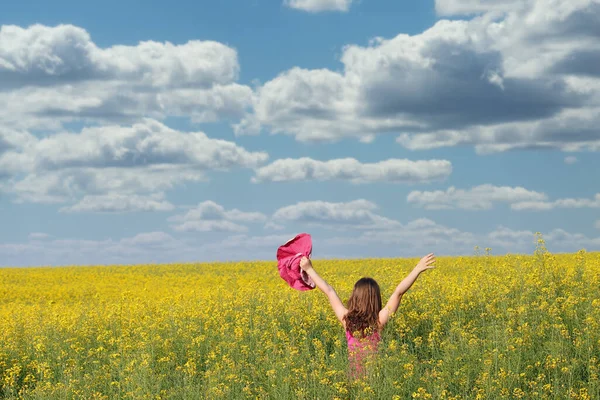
[359,350]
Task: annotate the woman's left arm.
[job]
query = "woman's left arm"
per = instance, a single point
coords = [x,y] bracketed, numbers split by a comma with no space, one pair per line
[334,300]
[394,301]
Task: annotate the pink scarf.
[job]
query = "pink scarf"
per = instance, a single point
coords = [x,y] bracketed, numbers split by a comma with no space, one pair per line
[288,262]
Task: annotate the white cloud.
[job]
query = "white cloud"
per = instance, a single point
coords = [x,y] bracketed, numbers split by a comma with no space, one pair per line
[270,225]
[210,226]
[393,170]
[569,160]
[483,197]
[319,5]
[480,197]
[533,206]
[13,143]
[412,239]
[13,139]
[243,246]
[564,241]
[114,202]
[145,158]
[422,236]
[66,51]
[147,247]
[464,7]
[420,233]
[570,130]
[148,239]
[210,216]
[51,75]
[246,247]
[497,82]
[357,214]
[69,184]
[38,236]
[560,203]
[146,143]
[505,237]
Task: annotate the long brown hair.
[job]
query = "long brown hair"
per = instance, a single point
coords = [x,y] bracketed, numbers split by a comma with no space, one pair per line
[364,305]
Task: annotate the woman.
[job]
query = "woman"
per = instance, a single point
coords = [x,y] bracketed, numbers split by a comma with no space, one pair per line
[364,318]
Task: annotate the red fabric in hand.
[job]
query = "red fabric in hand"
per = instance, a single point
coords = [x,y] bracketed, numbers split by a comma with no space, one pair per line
[288,262]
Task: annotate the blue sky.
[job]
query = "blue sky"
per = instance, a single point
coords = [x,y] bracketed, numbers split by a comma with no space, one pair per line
[138,132]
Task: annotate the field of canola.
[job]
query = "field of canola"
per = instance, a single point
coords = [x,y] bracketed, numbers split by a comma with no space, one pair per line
[480,327]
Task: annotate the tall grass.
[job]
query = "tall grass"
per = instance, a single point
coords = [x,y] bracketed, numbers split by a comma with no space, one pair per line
[481,327]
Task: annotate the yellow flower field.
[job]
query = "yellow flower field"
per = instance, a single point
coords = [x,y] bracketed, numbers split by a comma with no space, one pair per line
[480,327]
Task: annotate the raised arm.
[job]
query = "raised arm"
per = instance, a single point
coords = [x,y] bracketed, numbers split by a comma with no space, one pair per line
[334,300]
[394,301]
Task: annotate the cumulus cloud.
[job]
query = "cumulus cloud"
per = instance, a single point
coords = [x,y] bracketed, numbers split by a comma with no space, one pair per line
[570,130]
[560,203]
[480,197]
[48,54]
[557,240]
[270,225]
[357,214]
[13,144]
[506,237]
[115,203]
[315,6]
[210,216]
[569,160]
[246,247]
[146,143]
[393,170]
[12,139]
[422,236]
[533,206]
[564,241]
[420,233]
[483,197]
[148,239]
[59,74]
[147,247]
[50,76]
[411,239]
[70,184]
[38,236]
[497,82]
[145,158]
[464,7]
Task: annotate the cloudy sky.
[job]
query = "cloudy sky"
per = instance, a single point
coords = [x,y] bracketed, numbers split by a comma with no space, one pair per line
[196,131]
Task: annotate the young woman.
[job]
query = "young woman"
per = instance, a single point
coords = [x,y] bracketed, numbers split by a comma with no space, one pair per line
[364,318]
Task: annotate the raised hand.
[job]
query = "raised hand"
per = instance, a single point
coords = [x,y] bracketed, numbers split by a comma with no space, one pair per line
[305,264]
[426,262]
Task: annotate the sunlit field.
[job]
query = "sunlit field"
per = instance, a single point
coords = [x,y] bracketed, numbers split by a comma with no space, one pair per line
[478,327]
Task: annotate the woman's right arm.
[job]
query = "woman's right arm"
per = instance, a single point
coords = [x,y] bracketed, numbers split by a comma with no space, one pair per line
[394,301]
[334,300]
